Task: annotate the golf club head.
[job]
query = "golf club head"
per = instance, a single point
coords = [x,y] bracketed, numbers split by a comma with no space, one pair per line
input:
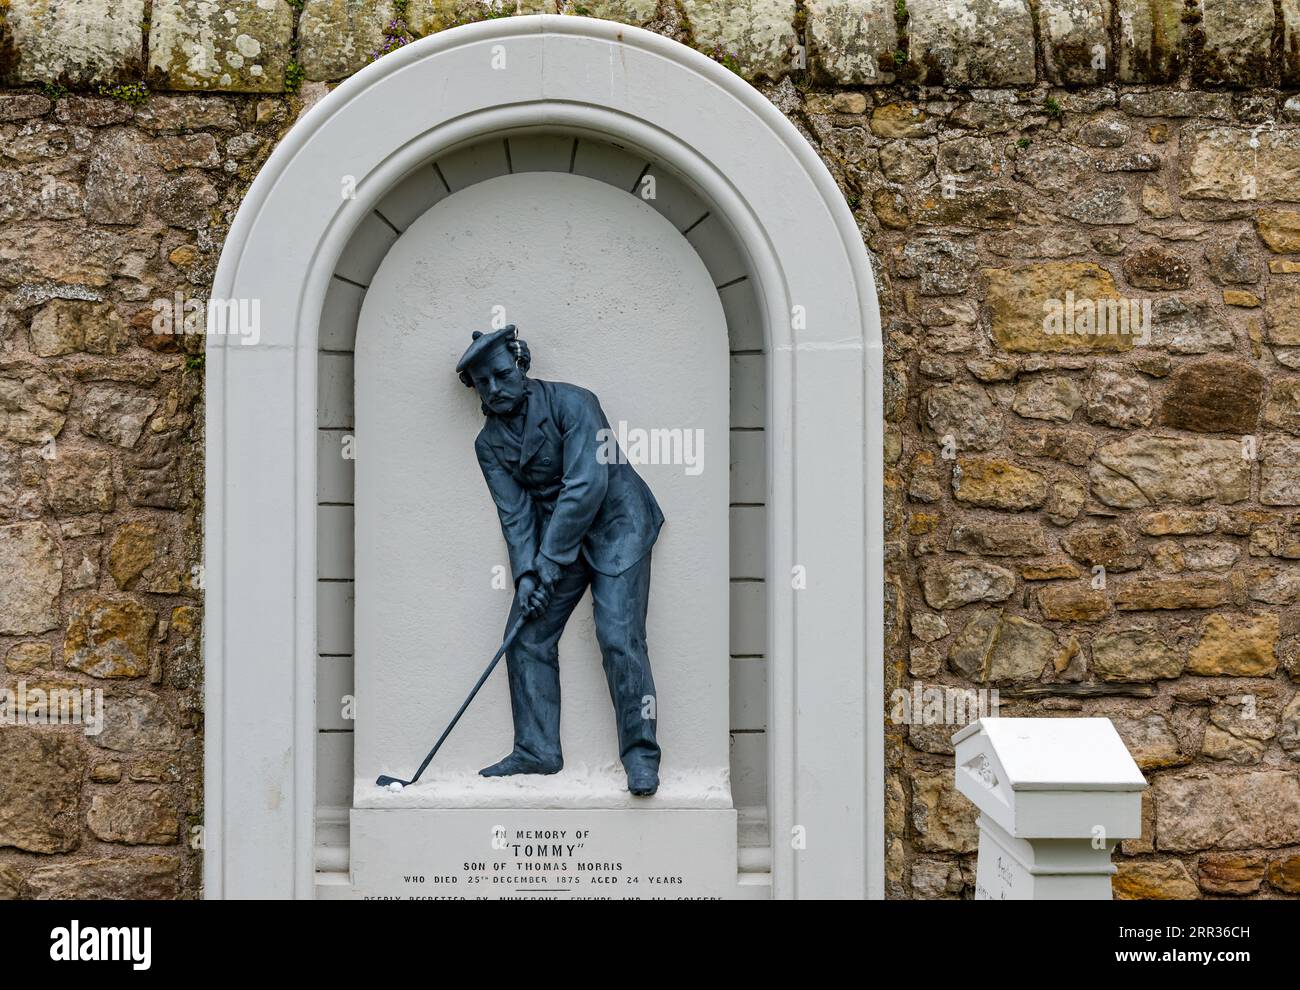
[384,780]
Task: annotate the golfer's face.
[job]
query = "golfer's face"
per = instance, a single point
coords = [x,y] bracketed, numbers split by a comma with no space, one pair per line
[499,383]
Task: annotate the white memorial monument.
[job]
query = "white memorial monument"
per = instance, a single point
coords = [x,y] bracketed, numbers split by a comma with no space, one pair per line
[1055,797]
[664,236]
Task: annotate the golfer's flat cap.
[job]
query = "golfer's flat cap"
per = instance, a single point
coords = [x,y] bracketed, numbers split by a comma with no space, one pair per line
[483,345]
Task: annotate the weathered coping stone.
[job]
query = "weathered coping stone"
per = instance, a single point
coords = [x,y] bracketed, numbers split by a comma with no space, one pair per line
[71,42]
[430,16]
[1076,48]
[1290,67]
[851,42]
[638,12]
[338,37]
[1151,40]
[246,45]
[240,46]
[755,37]
[973,43]
[1236,44]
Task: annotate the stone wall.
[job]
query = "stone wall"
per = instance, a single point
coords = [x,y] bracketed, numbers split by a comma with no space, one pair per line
[1089,523]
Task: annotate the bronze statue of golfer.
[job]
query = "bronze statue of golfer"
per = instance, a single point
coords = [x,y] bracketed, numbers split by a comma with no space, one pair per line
[570,520]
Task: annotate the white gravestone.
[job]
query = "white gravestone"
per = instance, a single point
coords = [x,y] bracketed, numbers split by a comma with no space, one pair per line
[1055,797]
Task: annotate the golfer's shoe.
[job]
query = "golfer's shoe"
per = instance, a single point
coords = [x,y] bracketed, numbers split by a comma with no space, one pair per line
[518,763]
[642,781]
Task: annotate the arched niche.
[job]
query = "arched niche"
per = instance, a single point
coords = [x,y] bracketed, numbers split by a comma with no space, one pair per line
[610,297]
[315,227]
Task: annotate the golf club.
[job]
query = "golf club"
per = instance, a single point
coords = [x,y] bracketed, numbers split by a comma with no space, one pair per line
[386,781]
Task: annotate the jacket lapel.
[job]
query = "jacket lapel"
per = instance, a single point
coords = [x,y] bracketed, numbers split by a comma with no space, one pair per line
[539,411]
[497,439]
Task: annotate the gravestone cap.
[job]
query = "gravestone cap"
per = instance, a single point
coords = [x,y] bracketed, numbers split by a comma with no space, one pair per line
[1050,777]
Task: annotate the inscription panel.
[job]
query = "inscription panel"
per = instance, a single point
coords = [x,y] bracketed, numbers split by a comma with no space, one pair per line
[545,854]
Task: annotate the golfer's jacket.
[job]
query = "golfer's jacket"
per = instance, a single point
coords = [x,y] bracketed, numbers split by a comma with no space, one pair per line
[553,493]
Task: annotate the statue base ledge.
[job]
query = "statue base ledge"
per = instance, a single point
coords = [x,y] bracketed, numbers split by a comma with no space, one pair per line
[573,787]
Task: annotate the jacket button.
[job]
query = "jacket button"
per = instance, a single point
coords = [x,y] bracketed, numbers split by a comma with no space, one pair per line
[546,460]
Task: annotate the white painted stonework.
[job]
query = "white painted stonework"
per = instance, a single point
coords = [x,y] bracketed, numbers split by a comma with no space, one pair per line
[313,231]
[1056,795]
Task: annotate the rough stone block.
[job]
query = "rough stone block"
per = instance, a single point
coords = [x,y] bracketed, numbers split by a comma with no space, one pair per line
[241,46]
[1236,44]
[1232,873]
[1073,603]
[1284,874]
[1134,654]
[755,36]
[109,637]
[1279,473]
[1290,62]
[1282,324]
[852,42]
[1199,810]
[338,37]
[971,42]
[118,878]
[430,16]
[636,12]
[135,818]
[943,818]
[994,483]
[67,326]
[1152,880]
[1218,395]
[1150,39]
[72,42]
[21,106]
[953,583]
[1279,230]
[40,790]
[1028,308]
[998,647]
[1075,47]
[1240,163]
[1142,470]
[1236,646]
[138,723]
[31,577]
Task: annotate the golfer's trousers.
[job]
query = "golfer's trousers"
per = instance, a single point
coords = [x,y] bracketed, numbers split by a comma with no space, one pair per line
[619,604]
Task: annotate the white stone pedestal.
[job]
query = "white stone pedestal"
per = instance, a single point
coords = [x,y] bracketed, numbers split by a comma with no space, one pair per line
[1011,869]
[1056,795]
[545,854]
[574,835]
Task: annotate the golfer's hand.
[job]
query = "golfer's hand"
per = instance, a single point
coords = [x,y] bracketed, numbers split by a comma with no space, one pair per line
[531,596]
[548,571]
[539,600]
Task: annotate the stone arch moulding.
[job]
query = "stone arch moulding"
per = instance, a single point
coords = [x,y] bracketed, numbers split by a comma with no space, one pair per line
[824,393]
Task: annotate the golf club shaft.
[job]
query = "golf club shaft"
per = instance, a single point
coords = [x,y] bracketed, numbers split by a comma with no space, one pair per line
[505,645]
